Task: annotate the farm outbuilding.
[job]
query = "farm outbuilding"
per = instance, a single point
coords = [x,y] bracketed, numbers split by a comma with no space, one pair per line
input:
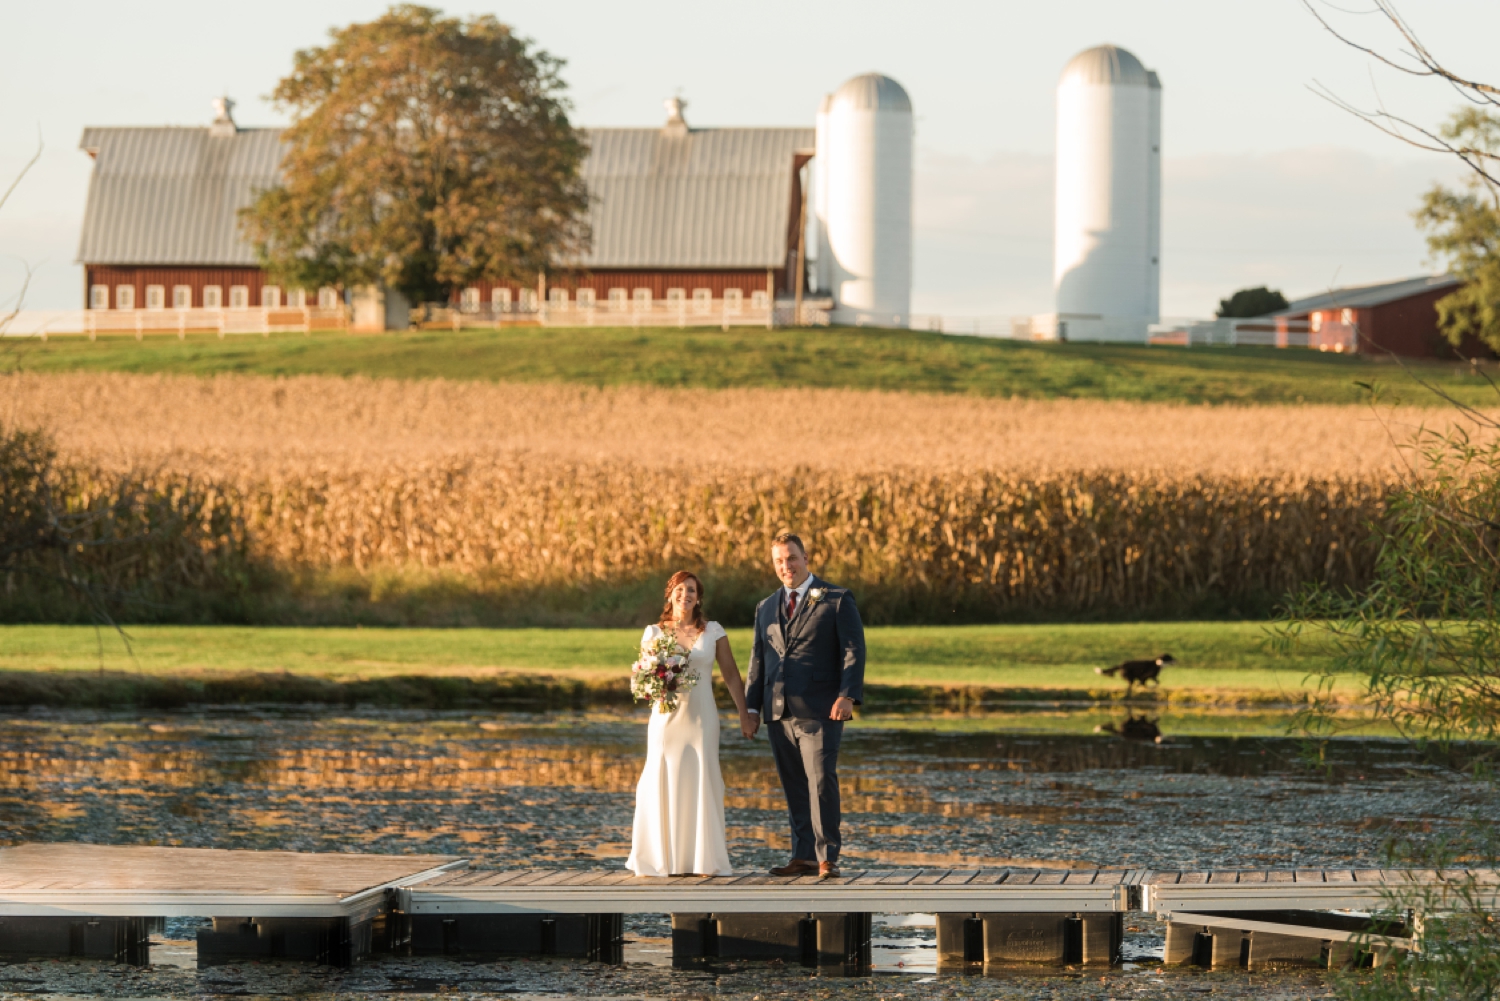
[1389,318]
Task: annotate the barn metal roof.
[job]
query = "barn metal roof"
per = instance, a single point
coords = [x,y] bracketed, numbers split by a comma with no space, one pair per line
[172,195]
[1363,296]
[713,198]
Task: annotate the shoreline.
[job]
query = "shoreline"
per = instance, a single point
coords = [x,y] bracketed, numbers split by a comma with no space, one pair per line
[536,692]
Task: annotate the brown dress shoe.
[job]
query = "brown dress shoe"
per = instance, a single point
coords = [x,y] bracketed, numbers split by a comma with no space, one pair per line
[796,867]
[828,870]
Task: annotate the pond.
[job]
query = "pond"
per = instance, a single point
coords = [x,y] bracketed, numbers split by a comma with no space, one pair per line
[1037,787]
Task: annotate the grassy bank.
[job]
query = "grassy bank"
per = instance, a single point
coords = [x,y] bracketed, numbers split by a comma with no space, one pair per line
[905,361]
[943,668]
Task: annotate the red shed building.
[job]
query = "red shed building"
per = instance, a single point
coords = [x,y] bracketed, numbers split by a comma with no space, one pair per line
[705,217]
[1390,318]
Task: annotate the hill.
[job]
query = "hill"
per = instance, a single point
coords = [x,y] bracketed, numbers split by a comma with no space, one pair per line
[893,360]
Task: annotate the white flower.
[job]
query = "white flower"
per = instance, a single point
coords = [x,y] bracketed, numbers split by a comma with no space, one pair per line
[816,594]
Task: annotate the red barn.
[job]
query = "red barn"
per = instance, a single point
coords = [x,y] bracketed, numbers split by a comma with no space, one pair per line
[704,221]
[1391,318]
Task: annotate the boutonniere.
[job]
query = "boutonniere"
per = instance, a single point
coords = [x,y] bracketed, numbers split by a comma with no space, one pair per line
[815,595]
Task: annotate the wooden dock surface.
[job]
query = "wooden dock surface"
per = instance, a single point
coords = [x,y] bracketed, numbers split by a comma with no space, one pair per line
[108,880]
[133,880]
[1312,889]
[856,891]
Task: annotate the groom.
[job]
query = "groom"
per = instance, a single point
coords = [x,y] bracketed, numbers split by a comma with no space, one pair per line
[807,673]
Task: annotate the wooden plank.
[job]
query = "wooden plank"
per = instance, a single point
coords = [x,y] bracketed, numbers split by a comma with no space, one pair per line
[1253,876]
[958,876]
[1081,877]
[1109,877]
[1308,875]
[1013,877]
[901,877]
[1049,879]
[1163,878]
[1224,876]
[1193,879]
[1281,876]
[533,876]
[1338,876]
[1368,876]
[929,877]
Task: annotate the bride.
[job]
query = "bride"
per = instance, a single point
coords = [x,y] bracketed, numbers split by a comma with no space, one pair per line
[679,801]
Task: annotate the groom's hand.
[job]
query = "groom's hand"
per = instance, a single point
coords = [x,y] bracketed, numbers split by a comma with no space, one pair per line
[843,709]
[749,724]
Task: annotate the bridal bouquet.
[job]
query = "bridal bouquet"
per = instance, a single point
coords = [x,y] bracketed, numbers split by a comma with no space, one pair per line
[661,674]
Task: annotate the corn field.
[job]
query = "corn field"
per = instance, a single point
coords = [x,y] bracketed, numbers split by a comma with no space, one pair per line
[516,494]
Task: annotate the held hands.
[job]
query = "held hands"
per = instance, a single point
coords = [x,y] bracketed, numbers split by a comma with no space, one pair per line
[749,724]
[843,709]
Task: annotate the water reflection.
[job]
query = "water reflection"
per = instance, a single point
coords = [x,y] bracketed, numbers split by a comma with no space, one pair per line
[509,790]
[1138,728]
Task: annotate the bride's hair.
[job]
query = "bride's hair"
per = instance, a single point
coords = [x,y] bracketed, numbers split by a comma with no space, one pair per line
[666,611]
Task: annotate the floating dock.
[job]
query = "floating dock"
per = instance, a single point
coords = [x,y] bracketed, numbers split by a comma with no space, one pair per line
[103,902]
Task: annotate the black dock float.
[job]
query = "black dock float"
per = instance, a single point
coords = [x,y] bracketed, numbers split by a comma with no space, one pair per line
[1056,939]
[596,937]
[111,939]
[816,940]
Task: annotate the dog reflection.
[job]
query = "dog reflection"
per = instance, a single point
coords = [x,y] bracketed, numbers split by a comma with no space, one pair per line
[1139,728]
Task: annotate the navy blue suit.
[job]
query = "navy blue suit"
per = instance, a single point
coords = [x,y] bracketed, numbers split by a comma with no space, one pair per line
[798,668]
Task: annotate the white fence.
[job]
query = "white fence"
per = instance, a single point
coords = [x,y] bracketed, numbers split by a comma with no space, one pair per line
[723,313]
[140,322]
[1262,332]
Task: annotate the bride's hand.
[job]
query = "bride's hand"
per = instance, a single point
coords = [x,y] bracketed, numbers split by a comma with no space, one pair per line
[749,724]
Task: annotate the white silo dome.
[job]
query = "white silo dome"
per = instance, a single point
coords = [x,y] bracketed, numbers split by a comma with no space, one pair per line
[1107,252]
[867,211]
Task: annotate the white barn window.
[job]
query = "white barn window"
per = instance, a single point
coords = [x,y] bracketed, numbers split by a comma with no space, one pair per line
[676,296]
[528,300]
[585,298]
[270,296]
[500,299]
[468,300]
[703,300]
[182,297]
[156,297]
[642,297]
[758,299]
[296,298]
[124,297]
[98,297]
[558,298]
[213,297]
[239,297]
[328,298]
[617,299]
[734,300]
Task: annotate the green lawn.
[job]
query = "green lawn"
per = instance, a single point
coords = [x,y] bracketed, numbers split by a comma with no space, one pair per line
[1213,656]
[840,357]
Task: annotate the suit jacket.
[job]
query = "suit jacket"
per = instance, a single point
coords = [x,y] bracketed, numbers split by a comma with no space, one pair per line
[798,668]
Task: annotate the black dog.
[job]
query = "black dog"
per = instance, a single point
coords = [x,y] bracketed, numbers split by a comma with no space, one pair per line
[1138,672]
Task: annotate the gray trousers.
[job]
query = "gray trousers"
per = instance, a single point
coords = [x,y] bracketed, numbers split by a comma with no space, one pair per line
[807,759]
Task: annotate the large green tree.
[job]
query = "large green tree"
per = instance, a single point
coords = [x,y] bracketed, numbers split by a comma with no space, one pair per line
[1463,227]
[425,153]
[1249,302]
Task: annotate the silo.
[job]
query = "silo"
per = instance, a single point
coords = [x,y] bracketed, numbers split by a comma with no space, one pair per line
[869,175]
[1107,249]
[822,273]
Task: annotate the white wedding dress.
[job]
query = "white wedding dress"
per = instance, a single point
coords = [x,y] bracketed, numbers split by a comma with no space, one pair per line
[679,801]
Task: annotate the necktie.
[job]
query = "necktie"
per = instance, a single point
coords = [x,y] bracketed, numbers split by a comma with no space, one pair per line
[791,604]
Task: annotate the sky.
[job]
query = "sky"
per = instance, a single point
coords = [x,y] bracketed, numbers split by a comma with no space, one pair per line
[1265,182]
